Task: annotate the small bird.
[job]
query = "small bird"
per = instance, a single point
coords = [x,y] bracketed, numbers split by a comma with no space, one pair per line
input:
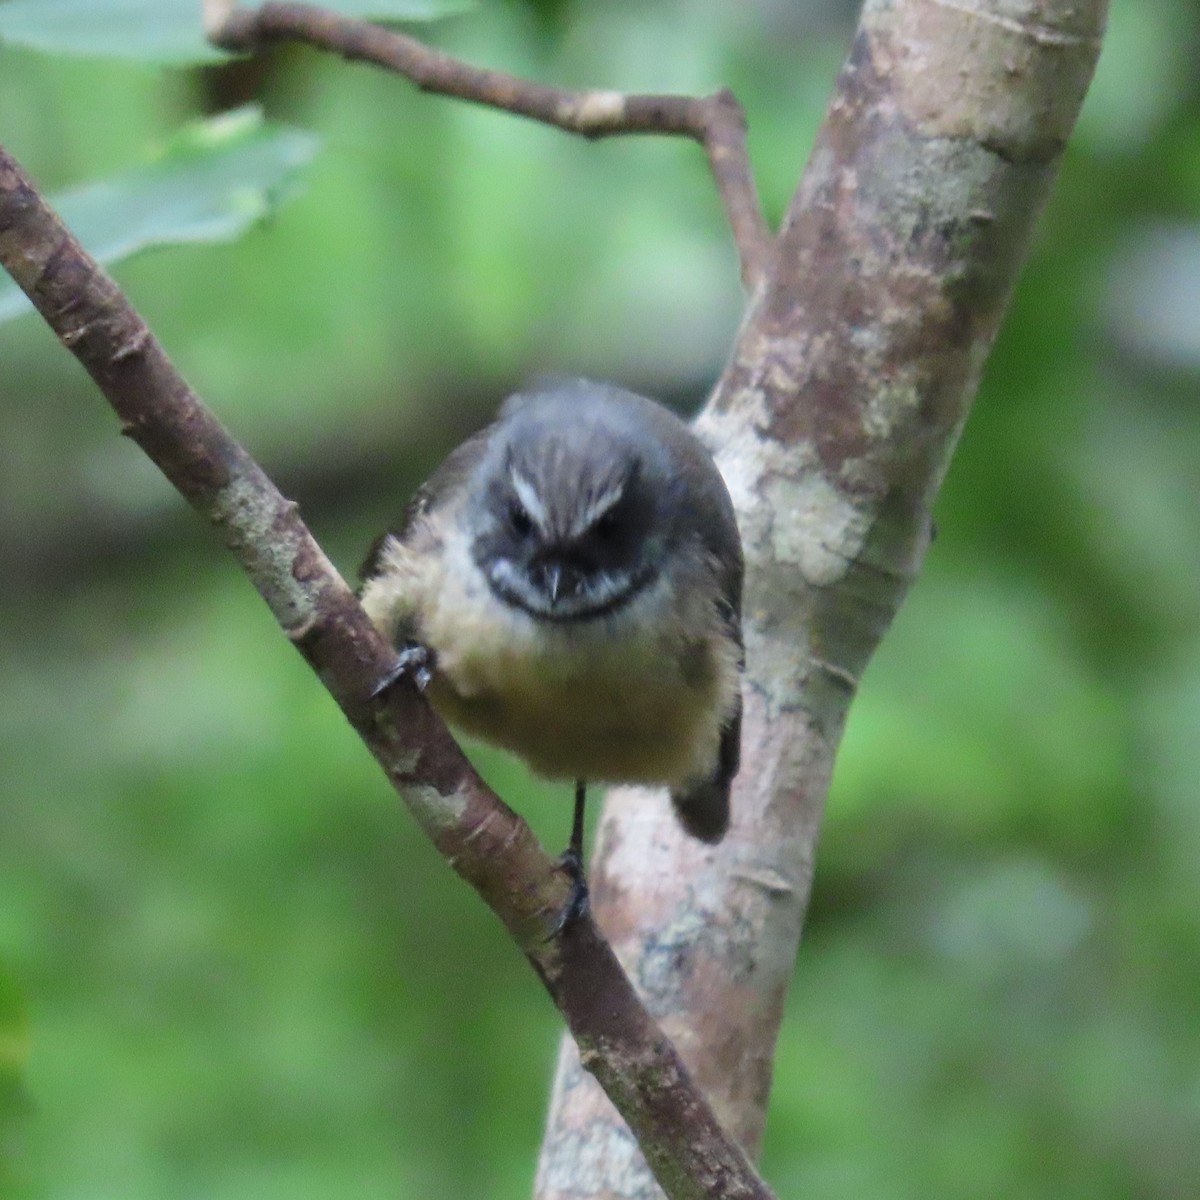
[567,585]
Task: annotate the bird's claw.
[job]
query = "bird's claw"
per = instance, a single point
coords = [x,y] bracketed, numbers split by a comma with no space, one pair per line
[415,661]
[578,902]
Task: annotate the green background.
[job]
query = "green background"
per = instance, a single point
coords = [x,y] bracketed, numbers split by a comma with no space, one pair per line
[230,966]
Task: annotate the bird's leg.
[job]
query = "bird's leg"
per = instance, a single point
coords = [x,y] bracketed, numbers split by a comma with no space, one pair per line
[575,847]
[571,865]
[416,661]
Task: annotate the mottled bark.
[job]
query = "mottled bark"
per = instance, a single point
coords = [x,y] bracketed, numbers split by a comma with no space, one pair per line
[833,425]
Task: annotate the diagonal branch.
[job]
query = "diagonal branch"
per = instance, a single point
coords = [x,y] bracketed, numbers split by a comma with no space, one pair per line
[717,122]
[485,842]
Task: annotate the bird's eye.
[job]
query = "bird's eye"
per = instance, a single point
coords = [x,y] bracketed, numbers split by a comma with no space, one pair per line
[607,525]
[519,519]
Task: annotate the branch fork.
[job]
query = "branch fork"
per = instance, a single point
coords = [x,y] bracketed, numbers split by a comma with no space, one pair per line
[716,122]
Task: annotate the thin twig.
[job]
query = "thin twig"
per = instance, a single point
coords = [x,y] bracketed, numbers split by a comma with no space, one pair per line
[485,842]
[717,122]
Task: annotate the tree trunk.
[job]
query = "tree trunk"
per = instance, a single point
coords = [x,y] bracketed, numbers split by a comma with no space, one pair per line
[833,425]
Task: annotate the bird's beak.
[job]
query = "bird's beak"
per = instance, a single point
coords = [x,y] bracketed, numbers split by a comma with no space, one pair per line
[553,576]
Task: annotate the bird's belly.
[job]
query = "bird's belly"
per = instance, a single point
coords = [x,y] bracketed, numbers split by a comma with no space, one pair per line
[581,731]
[605,700]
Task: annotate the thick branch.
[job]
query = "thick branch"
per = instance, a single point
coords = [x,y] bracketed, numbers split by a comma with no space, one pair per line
[485,842]
[833,426]
[717,122]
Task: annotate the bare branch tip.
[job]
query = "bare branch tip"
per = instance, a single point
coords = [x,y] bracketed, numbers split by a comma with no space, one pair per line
[228,27]
[215,14]
[724,106]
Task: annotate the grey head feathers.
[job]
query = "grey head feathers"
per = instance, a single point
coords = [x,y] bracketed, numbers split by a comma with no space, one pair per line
[581,495]
[568,480]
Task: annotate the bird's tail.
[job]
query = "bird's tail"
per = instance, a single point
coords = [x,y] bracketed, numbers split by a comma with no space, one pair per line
[703,809]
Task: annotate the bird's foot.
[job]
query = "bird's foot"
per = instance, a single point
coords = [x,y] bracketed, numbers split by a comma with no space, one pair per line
[416,661]
[571,865]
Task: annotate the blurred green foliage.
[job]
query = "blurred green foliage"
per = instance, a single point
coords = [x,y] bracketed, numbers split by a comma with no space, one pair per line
[214,180]
[170,32]
[229,965]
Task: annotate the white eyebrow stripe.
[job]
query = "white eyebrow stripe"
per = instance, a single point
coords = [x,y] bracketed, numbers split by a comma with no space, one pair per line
[529,498]
[598,507]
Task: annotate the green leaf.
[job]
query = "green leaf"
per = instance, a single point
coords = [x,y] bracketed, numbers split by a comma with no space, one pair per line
[160,31]
[168,32]
[215,179]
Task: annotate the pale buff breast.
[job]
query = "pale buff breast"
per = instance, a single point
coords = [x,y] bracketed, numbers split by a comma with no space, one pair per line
[612,699]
